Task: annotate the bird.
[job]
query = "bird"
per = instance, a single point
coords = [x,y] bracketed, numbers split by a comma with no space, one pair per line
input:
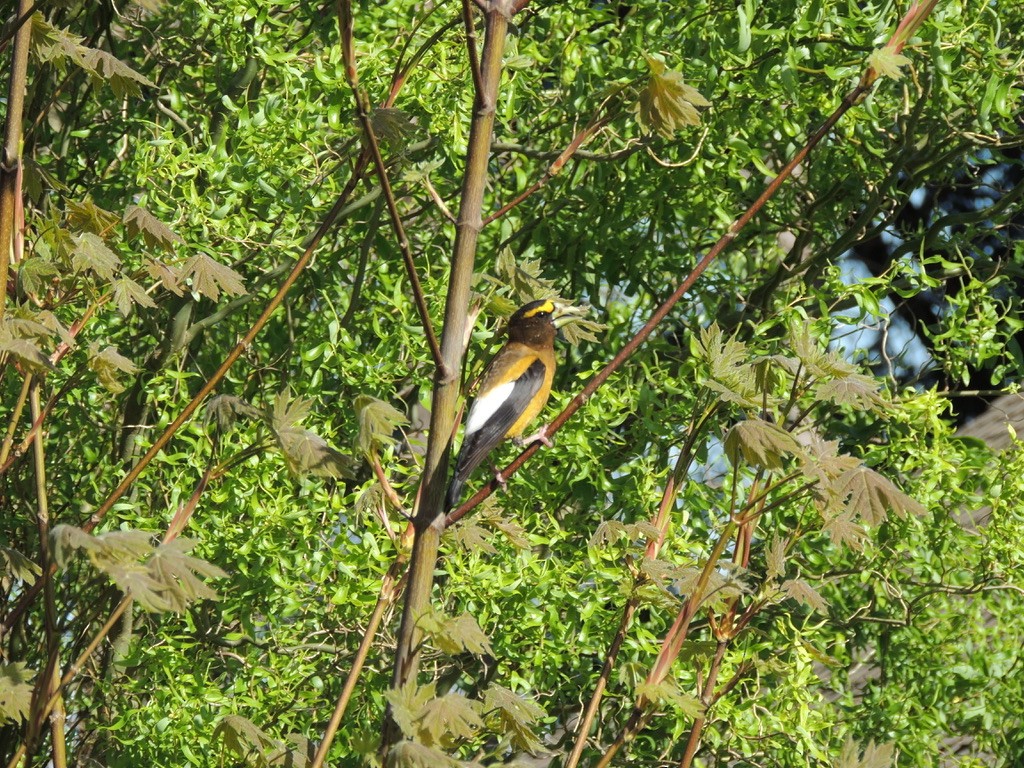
[513,390]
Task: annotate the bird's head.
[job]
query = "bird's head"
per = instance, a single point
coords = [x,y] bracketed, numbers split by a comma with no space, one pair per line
[538,321]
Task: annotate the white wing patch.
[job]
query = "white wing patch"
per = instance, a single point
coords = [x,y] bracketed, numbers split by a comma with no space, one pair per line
[486,406]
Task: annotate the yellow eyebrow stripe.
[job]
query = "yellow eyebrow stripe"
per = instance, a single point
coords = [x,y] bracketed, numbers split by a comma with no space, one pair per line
[547,306]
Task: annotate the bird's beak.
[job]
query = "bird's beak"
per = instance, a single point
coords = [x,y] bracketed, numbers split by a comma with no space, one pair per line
[566,313]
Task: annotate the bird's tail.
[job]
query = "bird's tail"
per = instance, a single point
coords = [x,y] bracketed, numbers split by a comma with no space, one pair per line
[451,498]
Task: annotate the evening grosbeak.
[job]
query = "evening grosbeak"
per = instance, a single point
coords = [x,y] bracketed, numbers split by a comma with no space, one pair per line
[513,390]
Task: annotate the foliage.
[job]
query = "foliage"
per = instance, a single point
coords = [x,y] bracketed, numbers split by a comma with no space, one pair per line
[759,460]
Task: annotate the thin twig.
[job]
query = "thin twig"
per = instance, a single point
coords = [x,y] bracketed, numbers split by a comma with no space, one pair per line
[662,311]
[345,24]
[471,46]
[385,599]
[554,169]
[97,517]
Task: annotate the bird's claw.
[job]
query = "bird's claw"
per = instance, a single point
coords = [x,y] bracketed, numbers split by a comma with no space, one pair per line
[500,480]
[540,436]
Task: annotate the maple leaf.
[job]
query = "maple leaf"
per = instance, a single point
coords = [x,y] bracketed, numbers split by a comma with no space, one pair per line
[775,557]
[226,410]
[304,450]
[392,125]
[888,63]
[454,635]
[407,703]
[110,366]
[413,754]
[15,691]
[842,530]
[156,234]
[86,215]
[870,495]
[874,756]
[35,275]
[377,423]
[471,536]
[128,292]
[243,738]
[449,717]
[760,443]
[169,276]
[731,375]
[667,104]
[854,389]
[210,278]
[93,254]
[160,577]
[801,591]
[515,715]
[16,567]
[667,692]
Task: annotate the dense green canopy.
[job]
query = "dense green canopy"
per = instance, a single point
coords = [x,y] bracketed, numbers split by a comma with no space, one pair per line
[761,537]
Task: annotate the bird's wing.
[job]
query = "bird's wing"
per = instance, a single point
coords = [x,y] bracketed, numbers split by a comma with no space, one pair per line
[494,412]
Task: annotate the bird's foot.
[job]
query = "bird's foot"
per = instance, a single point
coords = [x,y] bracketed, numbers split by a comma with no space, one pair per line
[540,436]
[500,480]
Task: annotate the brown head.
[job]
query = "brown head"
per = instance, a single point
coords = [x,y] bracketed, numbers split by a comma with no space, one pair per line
[534,324]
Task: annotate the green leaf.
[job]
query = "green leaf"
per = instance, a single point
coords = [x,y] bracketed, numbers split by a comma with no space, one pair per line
[801,591]
[127,292]
[17,566]
[667,692]
[110,366]
[455,635]
[407,704]
[377,423]
[873,756]
[86,215]
[35,275]
[413,754]
[516,716]
[91,253]
[210,278]
[870,495]
[667,104]
[760,443]
[155,233]
[15,691]
[887,63]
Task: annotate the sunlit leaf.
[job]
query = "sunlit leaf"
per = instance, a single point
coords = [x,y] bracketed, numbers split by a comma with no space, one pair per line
[871,495]
[377,423]
[760,443]
[210,278]
[873,756]
[887,63]
[169,276]
[15,566]
[139,221]
[110,367]
[15,691]
[801,591]
[517,716]
[91,253]
[667,104]
[127,292]
[450,717]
